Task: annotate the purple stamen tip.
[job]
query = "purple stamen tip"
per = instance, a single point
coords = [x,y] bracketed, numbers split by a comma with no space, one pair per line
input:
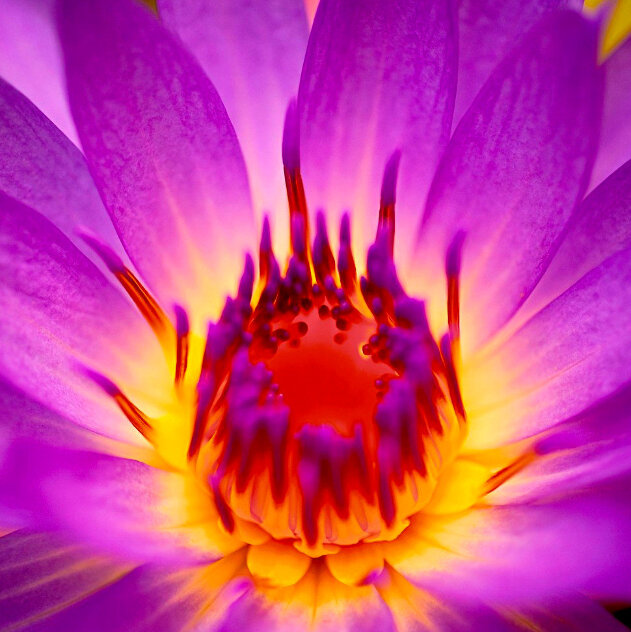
[291,138]
[389,182]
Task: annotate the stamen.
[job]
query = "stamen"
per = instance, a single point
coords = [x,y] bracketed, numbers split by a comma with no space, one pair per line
[346,262]
[141,297]
[453,261]
[388,198]
[137,418]
[182,328]
[293,180]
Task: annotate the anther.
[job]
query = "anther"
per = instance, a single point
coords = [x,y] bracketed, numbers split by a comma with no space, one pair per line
[388,198]
[182,329]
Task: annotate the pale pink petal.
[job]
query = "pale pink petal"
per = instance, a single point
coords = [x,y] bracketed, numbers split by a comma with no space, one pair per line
[378,77]
[253,54]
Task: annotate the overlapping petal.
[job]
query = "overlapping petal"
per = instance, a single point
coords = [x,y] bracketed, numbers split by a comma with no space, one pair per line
[567,356]
[60,314]
[253,54]
[600,227]
[518,555]
[162,150]
[31,60]
[487,31]
[615,139]
[41,574]
[127,508]
[514,170]
[41,168]
[378,77]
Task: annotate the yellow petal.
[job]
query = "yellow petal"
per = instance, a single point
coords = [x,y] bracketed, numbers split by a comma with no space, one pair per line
[354,565]
[277,564]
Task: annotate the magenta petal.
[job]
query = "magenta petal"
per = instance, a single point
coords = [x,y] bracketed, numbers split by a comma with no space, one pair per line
[41,168]
[40,573]
[378,76]
[487,31]
[582,342]
[615,138]
[119,506]
[31,60]
[58,313]
[161,148]
[513,171]
[253,54]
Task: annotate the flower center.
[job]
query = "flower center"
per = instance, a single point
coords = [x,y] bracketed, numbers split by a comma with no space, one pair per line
[323,409]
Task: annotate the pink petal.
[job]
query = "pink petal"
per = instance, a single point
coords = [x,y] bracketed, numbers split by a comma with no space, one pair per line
[161,148]
[59,313]
[514,169]
[40,573]
[615,140]
[30,58]
[253,54]
[566,357]
[487,31]
[378,77]
[41,168]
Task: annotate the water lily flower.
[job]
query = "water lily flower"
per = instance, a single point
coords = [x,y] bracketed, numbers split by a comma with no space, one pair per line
[323,327]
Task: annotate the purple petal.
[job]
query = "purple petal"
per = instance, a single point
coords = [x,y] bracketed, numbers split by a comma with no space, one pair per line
[514,170]
[518,555]
[487,31]
[30,58]
[41,573]
[600,227]
[378,77]
[41,168]
[565,358]
[615,138]
[119,506]
[162,150]
[253,54]
[149,598]
[58,313]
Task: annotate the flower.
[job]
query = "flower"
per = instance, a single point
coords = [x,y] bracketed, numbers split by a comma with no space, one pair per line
[410,411]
